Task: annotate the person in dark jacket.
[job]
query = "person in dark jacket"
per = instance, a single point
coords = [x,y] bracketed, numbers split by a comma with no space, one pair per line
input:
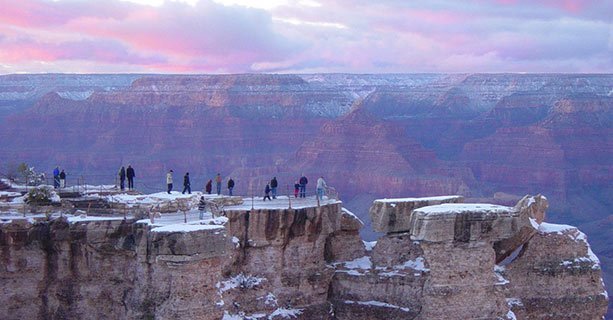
[62,179]
[122,178]
[273,187]
[186,184]
[303,182]
[209,187]
[201,207]
[267,193]
[230,186]
[130,174]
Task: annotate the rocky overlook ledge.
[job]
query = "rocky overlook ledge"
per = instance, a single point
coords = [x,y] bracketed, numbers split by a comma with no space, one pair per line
[439,259]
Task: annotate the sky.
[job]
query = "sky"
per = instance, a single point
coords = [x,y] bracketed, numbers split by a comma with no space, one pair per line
[305,36]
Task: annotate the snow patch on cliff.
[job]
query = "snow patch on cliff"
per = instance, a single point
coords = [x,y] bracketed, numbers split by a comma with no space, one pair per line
[285,313]
[183,228]
[377,304]
[368,245]
[239,281]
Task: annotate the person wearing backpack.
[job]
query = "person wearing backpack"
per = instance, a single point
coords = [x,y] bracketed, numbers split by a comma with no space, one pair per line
[303,183]
[230,186]
[187,186]
[273,187]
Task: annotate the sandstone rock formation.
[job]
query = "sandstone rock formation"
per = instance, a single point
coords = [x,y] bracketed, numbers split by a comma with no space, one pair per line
[394,215]
[304,263]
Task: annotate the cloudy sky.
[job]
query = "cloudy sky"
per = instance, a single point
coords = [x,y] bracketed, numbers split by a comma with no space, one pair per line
[306,36]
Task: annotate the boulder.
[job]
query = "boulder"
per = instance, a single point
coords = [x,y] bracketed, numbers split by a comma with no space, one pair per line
[394,215]
[451,222]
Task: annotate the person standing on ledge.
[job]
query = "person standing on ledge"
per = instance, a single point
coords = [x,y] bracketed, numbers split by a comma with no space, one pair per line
[218,181]
[321,187]
[209,187]
[273,187]
[169,180]
[296,189]
[122,178]
[230,186]
[130,174]
[62,179]
[201,207]
[267,193]
[56,177]
[303,183]
[187,186]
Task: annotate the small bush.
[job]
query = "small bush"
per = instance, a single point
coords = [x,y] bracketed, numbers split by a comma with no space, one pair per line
[42,195]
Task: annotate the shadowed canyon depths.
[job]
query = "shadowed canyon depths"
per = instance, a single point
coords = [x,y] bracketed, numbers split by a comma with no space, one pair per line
[491,137]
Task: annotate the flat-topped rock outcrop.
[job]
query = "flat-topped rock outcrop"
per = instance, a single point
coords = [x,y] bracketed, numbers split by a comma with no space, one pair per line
[268,261]
[394,215]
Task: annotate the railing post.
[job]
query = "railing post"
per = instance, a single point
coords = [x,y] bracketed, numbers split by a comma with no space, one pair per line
[289,198]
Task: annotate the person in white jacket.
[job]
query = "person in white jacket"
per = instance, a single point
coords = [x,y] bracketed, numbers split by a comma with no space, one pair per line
[169,180]
[321,187]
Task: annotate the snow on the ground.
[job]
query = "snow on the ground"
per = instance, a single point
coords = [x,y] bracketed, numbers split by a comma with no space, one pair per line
[377,304]
[178,218]
[554,228]
[282,202]
[286,313]
[454,208]
[498,270]
[511,315]
[436,198]
[417,265]
[183,228]
[154,198]
[239,281]
[534,224]
[345,210]
[514,302]
[576,235]
[368,245]
[84,218]
[18,200]
[356,266]
[10,194]
[359,263]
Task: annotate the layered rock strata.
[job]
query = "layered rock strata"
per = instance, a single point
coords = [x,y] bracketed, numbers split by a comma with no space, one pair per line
[304,263]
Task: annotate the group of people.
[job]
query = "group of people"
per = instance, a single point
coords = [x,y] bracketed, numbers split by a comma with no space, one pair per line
[59,178]
[126,173]
[208,188]
[271,188]
[299,188]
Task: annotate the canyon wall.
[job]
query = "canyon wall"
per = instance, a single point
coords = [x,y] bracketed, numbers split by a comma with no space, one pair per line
[305,263]
[487,137]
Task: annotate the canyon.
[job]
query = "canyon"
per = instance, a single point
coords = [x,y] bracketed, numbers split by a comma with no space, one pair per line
[488,137]
[439,258]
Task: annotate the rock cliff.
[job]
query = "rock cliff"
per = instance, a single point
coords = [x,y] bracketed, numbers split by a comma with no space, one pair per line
[372,136]
[305,263]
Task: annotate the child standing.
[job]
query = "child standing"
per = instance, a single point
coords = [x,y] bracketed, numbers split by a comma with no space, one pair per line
[296,189]
[267,191]
[201,207]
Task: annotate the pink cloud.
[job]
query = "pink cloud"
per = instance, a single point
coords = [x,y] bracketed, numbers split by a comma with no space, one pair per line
[377,36]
